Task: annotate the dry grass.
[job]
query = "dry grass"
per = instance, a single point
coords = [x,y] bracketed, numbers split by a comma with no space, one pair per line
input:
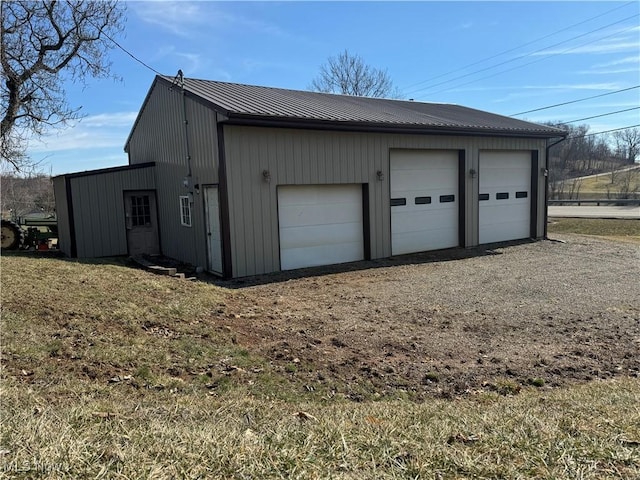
[627,230]
[109,372]
[591,431]
[600,185]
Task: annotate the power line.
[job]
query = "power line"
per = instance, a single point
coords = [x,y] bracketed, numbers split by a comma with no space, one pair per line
[601,115]
[575,101]
[132,55]
[102,32]
[518,47]
[535,61]
[600,133]
[526,55]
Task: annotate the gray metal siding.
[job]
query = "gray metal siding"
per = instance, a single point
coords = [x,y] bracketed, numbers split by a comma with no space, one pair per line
[98,209]
[297,157]
[159,136]
[62,214]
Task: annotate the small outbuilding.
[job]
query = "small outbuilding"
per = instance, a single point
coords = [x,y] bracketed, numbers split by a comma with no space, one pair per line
[244,180]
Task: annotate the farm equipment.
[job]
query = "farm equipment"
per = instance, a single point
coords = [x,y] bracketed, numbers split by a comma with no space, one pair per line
[28,233]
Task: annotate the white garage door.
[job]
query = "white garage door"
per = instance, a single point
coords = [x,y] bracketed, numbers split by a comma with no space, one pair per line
[320,225]
[424,200]
[505,196]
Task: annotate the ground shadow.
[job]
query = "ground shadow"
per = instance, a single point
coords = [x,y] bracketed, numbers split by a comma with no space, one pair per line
[189,271]
[437,256]
[122,260]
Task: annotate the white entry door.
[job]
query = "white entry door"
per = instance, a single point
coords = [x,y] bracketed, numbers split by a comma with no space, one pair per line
[214,236]
[320,225]
[504,211]
[424,200]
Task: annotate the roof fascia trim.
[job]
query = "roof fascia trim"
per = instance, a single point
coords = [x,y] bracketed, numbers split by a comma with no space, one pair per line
[191,95]
[246,120]
[100,171]
[140,112]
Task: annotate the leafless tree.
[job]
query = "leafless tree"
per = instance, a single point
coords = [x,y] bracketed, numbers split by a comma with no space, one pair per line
[627,144]
[349,75]
[43,43]
[24,194]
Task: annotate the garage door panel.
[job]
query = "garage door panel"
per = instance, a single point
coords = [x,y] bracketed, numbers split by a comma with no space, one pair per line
[413,222]
[414,180]
[502,174]
[500,232]
[429,224]
[314,194]
[320,225]
[315,256]
[314,235]
[407,159]
[314,214]
[411,242]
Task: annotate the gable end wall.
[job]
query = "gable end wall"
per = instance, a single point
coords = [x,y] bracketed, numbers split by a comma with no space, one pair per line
[159,136]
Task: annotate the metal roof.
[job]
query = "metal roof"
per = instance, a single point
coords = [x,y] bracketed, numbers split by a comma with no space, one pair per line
[248,104]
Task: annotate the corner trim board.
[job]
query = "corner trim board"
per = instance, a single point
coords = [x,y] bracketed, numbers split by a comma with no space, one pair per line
[366,222]
[223,192]
[462,198]
[533,201]
[73,247]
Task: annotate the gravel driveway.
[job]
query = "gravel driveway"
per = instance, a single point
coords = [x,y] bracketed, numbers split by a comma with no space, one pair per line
[544,314]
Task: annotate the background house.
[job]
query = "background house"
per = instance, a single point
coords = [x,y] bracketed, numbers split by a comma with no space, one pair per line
[244,180]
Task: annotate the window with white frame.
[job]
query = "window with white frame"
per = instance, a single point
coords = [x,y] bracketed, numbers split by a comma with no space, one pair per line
[185,211]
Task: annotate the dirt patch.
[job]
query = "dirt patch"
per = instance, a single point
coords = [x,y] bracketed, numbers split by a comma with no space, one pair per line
[542,314]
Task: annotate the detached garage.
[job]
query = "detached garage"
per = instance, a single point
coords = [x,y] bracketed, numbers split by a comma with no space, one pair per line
[245,180]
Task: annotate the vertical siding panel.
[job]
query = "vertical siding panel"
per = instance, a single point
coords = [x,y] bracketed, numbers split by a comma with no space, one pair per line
[240,210]
[255,180]
[159,137]
[315,157]
[84,205]
[99,209]
[62,214]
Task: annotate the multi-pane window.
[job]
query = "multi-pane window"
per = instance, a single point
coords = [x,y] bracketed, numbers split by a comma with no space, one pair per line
[140,211]
[185,211]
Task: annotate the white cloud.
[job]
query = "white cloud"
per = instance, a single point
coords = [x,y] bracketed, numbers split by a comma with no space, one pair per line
[611,47]
[560,87]
[607,72]
[119,119]
[622,61]
[176,17]
[182,18]
[108,130]
[575,86]
[189,63]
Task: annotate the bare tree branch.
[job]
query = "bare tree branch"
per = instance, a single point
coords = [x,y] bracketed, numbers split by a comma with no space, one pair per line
[627,144]
[39,41]
[349,75]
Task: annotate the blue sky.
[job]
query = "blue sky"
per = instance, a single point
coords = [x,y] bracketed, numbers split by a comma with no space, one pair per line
[503,57]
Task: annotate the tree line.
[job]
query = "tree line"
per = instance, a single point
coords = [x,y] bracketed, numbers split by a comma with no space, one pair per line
[582,154]
[43,40]
[24,195]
